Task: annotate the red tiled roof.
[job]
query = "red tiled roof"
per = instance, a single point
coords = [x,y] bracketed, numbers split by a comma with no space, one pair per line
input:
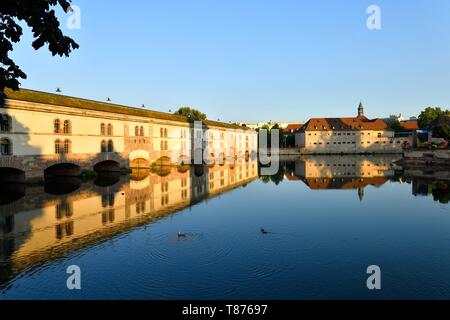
[343,183]
[410,125]
[344,124]
[293,127]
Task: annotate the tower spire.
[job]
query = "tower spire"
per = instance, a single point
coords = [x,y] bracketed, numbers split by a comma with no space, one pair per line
[360,110]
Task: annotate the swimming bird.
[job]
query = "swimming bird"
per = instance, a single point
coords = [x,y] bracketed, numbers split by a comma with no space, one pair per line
[182,235]
[264,231]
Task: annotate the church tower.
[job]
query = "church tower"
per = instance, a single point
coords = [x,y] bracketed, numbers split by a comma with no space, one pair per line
[361,110]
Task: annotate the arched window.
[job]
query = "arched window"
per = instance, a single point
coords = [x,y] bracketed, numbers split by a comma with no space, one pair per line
[161,132]
[104,147]
[110,146]
[57,147]
[165,133]
[56,126]
[67,127]
[166,145]
[5,147]
[136,131]
[5,123]
[67,146]
[142,131]
[110,129]
[102,129]
[162,145]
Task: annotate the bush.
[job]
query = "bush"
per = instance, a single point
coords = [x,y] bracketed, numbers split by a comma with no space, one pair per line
[88,174]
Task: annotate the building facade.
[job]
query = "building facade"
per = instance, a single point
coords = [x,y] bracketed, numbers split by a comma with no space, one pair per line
[348,136]
[44,133]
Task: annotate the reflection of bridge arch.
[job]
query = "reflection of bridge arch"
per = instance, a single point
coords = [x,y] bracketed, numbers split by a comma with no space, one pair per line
[183,160]
[107,166]
[163,161]
[139,163]
[199,170]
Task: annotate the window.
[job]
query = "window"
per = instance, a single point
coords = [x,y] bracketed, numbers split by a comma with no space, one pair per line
[58,147]
[163,132]
[56,126]
[104,147]
[110,146]
[102,129]
[67,146]
[5,147]
[110,130]
[5,123]
[136,131]
[142,131]
[164,146]
[67,127]
[379,135]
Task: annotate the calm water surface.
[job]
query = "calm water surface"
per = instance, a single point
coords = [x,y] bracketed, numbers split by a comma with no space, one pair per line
[328,218]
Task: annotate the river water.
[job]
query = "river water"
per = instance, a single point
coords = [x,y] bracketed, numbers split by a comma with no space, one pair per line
[195,233]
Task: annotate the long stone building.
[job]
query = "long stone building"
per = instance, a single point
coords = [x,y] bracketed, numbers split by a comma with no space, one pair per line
[353,135]
[50,134]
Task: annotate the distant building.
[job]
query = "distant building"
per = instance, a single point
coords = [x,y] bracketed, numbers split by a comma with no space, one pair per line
[283,125]
[348,135]
[292,128]
[393,119]
[409,126]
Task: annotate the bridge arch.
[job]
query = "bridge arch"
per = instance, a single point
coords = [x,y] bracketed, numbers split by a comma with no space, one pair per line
[62,169]
[11,174]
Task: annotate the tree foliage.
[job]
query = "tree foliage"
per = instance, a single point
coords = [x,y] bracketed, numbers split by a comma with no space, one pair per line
[429,115]
[397,127]
[192,114]
[40,17]
[442,131]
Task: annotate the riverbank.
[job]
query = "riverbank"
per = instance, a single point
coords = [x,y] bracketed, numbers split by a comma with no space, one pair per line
[419,158]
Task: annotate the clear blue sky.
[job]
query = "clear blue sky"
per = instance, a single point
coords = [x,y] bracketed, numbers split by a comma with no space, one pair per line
[254,60]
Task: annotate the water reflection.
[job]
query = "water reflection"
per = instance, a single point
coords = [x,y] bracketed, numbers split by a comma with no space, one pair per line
[356,172]
[66,214]
[41,223]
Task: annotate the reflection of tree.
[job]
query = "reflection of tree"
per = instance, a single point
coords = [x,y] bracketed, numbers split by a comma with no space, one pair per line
[440,190]
[279,176]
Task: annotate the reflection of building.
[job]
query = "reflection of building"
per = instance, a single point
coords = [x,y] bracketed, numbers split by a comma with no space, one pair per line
[42,226]
[344,172]
[348,135]
[48,132]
